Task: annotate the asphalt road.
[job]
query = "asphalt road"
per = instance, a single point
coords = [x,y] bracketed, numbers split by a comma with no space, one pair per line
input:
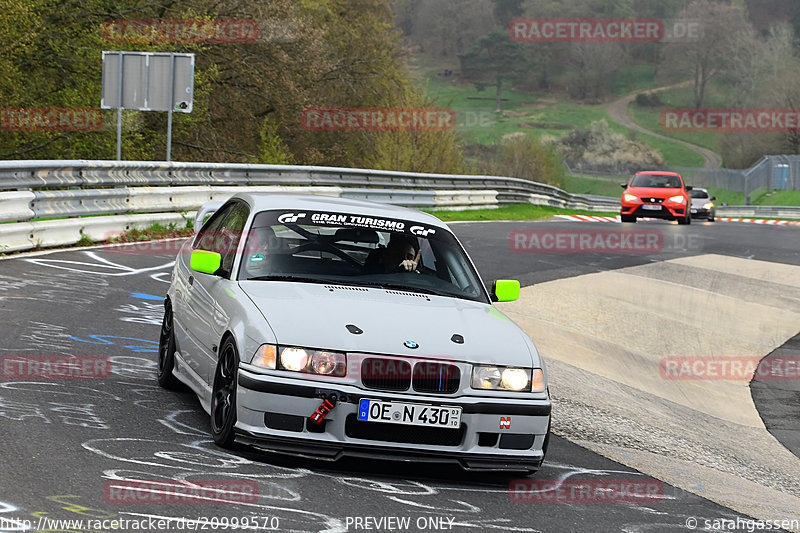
[70,444]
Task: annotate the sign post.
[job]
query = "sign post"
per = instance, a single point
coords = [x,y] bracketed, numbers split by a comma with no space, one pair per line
[147,81]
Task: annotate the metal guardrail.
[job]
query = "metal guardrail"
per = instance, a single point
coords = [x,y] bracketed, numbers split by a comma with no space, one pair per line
[36,189]
[759,211]
[54,203]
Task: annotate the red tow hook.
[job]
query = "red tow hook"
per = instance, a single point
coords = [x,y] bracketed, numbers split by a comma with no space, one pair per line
[327,406]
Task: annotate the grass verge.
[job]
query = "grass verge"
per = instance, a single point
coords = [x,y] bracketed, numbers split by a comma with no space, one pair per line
[510,212]
[535,115]
[156,231]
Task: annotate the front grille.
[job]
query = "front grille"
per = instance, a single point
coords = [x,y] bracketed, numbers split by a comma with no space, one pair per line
[386,374]
[403,434]
[441,378]
[653,200]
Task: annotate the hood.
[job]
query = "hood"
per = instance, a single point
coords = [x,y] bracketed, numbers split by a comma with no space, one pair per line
[654,192]
[700,202]
[315,316]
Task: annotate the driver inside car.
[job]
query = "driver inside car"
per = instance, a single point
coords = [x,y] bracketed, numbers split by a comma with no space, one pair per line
[402,254]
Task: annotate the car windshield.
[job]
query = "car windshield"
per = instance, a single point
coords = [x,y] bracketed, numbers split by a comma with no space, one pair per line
[353,249]
[698,193]
[662,181]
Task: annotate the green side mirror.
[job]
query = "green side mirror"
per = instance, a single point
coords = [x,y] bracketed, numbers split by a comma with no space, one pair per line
[205,262]
[506,290]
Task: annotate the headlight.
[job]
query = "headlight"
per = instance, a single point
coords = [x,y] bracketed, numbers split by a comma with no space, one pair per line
[326,363]
[676,199]
[631,198]
[501,378]
[294,359]
[320,362]
[708,205]
[485,377]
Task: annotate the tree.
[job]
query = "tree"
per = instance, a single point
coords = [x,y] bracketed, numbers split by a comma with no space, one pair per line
[596,64]
[248,96]
[495,58]
[507,10]
[444,27]
[711,54]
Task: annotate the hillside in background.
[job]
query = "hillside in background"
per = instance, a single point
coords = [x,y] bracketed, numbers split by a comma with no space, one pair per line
[248,96]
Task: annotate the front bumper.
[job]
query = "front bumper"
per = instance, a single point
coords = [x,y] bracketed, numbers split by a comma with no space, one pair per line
[667,211]
[699,212]
[272,414]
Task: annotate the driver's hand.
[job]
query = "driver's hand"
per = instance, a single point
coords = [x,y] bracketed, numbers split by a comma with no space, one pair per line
[410,265]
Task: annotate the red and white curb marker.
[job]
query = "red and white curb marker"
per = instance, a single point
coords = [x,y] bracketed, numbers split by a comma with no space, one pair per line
[591,218]
[760,221]
[588,218]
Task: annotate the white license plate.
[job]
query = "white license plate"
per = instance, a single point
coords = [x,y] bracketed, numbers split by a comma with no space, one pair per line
[410,414]
[694,210]
[651,207]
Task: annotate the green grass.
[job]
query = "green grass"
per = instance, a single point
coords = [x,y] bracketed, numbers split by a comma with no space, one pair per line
[600,186]
[650,118]
[85,240]
[676,155]
[633,78]
[155,231]
[534,115]
[779,198]
[718,94]
[725,196]
[510,212]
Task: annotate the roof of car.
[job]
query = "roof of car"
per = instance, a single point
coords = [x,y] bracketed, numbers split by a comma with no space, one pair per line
[659,173]
[263,201]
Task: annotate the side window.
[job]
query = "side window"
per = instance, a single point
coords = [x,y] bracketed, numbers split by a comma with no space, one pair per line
[231,233]
[207,235]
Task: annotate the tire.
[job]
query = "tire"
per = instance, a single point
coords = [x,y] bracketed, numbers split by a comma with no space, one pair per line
[685,220]
[627,218]
[166,351]
[223,395]
[711,218]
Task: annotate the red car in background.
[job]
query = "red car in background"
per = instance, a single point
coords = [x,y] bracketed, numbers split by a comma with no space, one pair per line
[656,194]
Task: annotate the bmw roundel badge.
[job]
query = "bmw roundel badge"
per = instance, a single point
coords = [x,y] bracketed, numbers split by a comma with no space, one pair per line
[411,344]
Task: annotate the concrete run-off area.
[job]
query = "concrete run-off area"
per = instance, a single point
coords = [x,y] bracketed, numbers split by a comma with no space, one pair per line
[606,336]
